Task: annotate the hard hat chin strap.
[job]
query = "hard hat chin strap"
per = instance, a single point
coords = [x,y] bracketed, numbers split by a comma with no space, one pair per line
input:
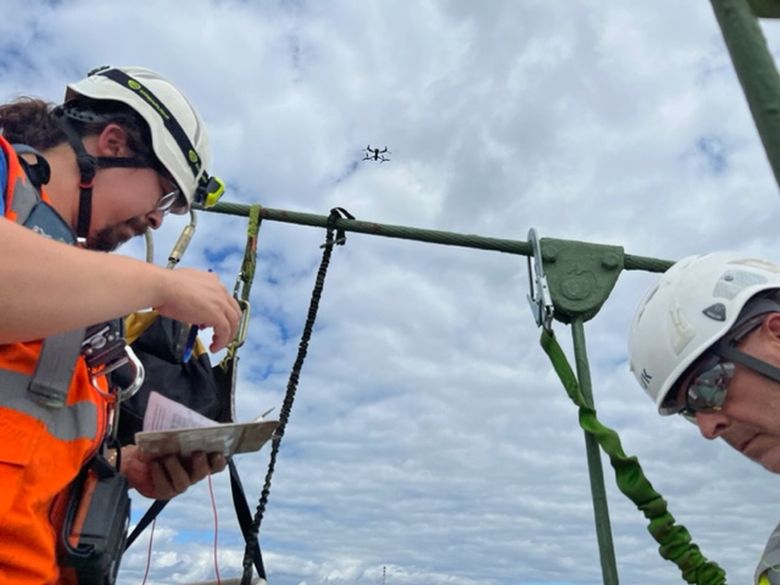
[88,167]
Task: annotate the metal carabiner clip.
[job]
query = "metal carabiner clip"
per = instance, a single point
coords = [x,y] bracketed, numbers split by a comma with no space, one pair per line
[119,394]
[243,324]
[539,297]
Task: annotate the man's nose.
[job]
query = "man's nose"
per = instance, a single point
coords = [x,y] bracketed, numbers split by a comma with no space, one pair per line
[712,424]
[154,219]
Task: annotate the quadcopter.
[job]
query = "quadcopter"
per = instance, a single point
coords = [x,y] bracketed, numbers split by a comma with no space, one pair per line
[376,154]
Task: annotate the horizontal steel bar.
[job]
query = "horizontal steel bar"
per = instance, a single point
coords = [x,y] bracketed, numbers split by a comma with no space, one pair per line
[520,247]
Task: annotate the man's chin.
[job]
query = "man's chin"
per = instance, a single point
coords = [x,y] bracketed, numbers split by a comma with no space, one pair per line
[106,244]
[770,460]
[110,239]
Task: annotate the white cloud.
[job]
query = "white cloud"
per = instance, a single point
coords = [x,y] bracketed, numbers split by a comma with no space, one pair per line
[429,435]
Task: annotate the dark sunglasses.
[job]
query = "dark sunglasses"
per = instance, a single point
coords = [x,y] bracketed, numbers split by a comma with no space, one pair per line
[707,389]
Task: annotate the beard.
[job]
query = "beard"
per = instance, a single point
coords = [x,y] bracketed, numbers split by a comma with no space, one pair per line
[111,237]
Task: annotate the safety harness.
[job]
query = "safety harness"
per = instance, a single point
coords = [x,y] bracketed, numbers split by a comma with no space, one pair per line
[90,548]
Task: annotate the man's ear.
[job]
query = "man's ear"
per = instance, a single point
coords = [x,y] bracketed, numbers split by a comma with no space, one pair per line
[771,326]
[112,141]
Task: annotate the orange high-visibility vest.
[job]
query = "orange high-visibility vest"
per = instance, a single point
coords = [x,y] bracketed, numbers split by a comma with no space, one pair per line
[42,448]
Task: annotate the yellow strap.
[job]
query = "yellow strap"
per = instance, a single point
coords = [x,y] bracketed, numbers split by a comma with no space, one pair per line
[137,323]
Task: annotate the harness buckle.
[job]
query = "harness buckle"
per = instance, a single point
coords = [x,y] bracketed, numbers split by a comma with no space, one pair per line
[104,349]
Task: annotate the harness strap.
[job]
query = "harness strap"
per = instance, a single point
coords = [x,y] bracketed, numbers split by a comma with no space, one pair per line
[26,195]
[39,172]
[57,361]
[150,514]
[71,422]
[245,519]
[675,541]
[54,370]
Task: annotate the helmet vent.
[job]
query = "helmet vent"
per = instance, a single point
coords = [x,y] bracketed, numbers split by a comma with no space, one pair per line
[732,282]
[716,312]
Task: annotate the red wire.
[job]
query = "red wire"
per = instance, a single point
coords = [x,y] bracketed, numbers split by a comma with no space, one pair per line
[216,538]
[149,552]
[216,530]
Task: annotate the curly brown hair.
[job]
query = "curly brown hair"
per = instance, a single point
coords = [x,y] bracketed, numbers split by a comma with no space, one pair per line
[33,121]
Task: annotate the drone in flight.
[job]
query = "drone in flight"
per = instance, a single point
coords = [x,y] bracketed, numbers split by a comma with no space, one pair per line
[376,154]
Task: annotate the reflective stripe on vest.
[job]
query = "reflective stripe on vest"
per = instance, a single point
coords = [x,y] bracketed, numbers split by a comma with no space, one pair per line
[79,420]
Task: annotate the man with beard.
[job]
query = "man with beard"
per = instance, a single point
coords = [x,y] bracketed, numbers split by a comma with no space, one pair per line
[125,148]
[705,343]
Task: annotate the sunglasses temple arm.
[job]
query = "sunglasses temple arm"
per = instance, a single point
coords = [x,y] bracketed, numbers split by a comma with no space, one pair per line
[732,354]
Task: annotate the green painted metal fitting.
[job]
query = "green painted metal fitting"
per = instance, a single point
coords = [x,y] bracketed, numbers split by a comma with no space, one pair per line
[580,276]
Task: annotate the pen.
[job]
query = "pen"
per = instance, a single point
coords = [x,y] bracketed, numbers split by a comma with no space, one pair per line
[190,345]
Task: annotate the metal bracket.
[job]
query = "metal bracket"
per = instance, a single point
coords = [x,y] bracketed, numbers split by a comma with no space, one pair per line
[580,276]
[539,296]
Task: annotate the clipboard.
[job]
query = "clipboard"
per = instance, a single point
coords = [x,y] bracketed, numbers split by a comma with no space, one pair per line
[228,439]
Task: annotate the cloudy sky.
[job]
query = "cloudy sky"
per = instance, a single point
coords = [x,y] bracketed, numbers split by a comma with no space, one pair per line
[429,435]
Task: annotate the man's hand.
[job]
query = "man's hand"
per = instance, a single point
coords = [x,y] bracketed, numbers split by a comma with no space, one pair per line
[199,298]
[164,477]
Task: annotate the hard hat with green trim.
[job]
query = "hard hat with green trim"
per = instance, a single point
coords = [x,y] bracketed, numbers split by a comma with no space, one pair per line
[695,303]
[179,138]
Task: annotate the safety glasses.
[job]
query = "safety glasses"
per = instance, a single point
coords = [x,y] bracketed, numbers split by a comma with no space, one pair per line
[171,195]
[706,391]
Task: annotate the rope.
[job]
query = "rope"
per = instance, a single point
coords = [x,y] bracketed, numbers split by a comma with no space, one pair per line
[292,383]
[674,540]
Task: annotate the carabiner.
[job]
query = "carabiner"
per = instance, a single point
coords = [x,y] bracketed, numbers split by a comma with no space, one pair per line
[539,297]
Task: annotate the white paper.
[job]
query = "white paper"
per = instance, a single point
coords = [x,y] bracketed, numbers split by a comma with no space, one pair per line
[170,427]
[163,414]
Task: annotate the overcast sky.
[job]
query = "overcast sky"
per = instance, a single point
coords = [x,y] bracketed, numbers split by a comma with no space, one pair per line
[429,434]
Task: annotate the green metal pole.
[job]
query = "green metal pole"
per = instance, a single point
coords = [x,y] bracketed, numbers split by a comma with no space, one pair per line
[597,489]
[522,248]
[756,71]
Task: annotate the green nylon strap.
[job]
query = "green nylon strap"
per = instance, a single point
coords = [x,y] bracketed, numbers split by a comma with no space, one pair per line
[250,252]
[244,283]
[674,540]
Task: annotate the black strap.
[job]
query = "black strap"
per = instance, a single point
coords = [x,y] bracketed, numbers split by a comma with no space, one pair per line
[38,172]
[191,156]
[156,507]
[245,518]
[341,237]
[242,513]
[88,165]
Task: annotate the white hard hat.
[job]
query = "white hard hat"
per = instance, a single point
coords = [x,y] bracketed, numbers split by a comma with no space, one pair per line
[179,138]
[692,306]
